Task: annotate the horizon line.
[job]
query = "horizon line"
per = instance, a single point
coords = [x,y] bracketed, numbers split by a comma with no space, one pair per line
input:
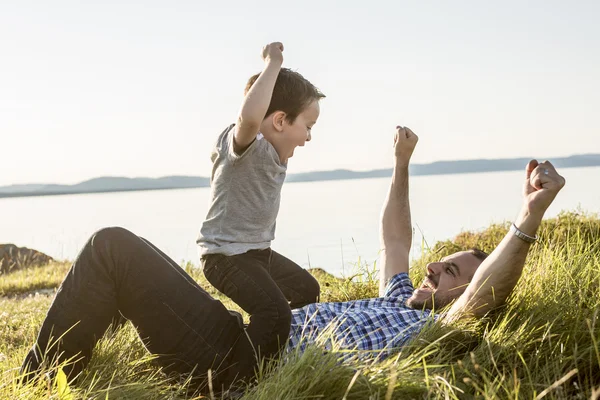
[297,173]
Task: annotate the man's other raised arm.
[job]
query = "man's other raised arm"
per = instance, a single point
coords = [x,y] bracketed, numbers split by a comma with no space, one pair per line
[395,229]
[496,277]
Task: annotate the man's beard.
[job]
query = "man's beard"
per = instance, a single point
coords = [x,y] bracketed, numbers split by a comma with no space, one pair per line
[436,300]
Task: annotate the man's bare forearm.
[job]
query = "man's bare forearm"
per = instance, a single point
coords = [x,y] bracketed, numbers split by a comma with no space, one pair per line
[497,276]
[396,224]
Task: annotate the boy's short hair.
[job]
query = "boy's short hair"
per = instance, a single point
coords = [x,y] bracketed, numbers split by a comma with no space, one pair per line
[292,93]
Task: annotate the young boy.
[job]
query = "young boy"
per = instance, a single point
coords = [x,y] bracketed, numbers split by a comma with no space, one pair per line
[249,166]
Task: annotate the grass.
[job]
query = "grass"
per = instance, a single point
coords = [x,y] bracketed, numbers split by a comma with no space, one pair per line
[31,279]
[544,343]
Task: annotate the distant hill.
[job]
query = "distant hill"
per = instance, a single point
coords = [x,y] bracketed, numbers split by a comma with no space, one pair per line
[125,184]
[121,184]
[21,188]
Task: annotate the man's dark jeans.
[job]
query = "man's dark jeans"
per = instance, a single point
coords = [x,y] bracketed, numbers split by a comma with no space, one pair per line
[262,282]
[118,273]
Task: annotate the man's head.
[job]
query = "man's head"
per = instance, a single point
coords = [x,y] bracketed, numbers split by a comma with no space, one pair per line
[446,279]
[293,111]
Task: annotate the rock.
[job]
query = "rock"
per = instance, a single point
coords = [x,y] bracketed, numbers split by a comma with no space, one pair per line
[13,258]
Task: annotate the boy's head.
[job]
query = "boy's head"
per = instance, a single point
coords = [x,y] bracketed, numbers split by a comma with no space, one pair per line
[293,110]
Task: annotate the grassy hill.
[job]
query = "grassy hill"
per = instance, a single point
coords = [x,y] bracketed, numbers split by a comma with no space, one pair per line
[543,344]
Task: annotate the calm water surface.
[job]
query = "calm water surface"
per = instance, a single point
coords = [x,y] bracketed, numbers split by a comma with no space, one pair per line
[321,224]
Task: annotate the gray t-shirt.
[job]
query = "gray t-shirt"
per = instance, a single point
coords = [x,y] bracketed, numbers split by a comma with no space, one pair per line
[244,197]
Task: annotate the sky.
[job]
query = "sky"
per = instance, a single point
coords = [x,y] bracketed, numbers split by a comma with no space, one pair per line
[123,88]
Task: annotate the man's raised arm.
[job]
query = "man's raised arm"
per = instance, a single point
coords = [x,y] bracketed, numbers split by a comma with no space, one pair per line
[498,274]
[395,229]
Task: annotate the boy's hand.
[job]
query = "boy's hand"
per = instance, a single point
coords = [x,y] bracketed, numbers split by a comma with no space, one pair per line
[273,52]
[405,141]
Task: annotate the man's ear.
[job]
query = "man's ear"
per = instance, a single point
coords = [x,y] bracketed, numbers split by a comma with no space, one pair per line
[278,120]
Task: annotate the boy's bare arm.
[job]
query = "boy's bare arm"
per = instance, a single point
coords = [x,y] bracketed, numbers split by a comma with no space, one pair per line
[496,277]
[257,100]
[396,228]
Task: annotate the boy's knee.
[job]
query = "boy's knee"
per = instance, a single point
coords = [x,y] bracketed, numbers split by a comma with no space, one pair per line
[285,314]
[281,315]
[312,290]
[284,320]
[308,292]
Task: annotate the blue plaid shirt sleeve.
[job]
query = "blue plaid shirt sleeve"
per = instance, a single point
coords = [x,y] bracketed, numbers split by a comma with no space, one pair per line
[400,287]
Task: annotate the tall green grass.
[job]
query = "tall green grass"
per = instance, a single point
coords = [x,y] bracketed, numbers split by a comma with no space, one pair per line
[544,343]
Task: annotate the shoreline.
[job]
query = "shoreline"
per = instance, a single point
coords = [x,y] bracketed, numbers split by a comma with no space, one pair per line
[342,175]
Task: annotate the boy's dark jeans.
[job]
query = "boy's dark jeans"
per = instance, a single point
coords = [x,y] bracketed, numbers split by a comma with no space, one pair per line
[118,273]
[262,282]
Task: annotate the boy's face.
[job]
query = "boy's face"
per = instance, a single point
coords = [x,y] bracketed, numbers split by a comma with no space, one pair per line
[298,133]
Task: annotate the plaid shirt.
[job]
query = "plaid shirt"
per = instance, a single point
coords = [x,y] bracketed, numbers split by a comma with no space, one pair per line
[378,325]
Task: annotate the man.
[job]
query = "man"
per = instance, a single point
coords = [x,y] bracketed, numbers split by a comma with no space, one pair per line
[477,286]
[118,273]
[477,282]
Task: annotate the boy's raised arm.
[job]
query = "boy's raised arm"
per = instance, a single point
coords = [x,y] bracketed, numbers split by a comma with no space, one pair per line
[257,100]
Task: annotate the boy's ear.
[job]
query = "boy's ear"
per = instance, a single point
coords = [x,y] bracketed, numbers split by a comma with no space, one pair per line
[279,120]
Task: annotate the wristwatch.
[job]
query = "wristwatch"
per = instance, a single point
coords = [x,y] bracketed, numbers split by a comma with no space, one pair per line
[522,235]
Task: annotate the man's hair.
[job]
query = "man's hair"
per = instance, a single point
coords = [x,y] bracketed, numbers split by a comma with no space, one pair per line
[480,254]
[292,93]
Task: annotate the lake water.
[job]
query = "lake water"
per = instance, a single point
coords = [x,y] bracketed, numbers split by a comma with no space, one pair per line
[321,224]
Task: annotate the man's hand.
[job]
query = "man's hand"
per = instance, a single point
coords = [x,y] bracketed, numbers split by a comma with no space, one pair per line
[405,141]
[273,52]
[542,184]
